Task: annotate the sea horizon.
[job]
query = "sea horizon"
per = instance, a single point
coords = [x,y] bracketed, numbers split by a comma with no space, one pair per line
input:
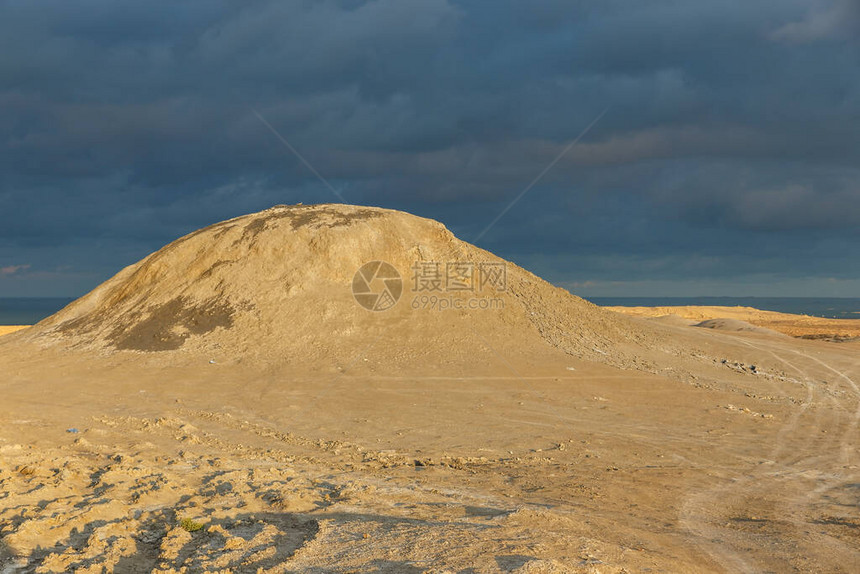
[31,310]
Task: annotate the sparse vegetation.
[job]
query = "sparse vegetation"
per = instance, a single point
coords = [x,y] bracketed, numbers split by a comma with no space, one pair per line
[190,525]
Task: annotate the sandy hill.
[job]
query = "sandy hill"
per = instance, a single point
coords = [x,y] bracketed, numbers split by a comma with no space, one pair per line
[277,287]
[735,325]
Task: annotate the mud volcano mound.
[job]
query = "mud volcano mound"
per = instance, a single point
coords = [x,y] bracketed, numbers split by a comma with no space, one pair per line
[280,286]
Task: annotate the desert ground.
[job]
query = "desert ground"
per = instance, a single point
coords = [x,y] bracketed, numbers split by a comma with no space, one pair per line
[6,329]
[803,326]
[225,405]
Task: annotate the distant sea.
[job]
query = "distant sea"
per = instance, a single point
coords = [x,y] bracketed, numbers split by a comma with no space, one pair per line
[830,307]
[30,310]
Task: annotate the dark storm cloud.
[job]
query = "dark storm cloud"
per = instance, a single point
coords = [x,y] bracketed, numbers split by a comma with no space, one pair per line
[729,151]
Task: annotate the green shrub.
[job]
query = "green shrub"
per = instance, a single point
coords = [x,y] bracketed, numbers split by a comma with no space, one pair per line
[189,525]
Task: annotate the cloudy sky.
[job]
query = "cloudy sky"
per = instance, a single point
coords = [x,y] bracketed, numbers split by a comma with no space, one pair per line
[726,161]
